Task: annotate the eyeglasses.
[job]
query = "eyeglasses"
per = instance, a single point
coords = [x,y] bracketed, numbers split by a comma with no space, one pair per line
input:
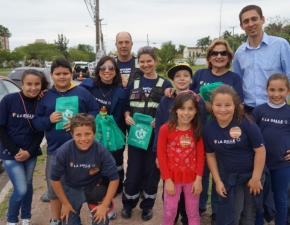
[140,50]
[216,53]
[191,92]
[110,68]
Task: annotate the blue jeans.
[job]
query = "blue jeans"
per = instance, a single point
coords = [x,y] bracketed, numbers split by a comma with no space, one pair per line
[76,197]
[21,175]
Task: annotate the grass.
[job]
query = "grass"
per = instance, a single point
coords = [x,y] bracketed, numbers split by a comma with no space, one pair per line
[4,72]
[4,204]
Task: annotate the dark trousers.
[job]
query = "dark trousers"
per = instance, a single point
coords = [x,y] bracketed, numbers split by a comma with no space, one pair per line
[141,166]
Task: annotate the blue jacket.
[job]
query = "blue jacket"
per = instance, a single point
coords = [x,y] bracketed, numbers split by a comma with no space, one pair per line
[163,112]
[264,201]
[46,106]
[118,101]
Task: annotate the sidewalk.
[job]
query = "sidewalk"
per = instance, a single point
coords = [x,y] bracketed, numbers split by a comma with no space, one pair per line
[41,211]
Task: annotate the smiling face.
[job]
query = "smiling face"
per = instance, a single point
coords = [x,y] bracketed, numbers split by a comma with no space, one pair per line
[223,108]
[83,137]
[277,91]
[31,85]
[186,113]
[147,64]
[252,23]
[182,80]
[109,73]
[219,61]
[61,77]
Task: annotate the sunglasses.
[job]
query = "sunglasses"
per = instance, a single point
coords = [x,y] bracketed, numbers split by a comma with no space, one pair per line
[216,53]
[144,48]
[110,68]
[191,92]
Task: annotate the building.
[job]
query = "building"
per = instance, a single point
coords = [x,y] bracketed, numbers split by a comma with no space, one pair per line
[40,41]
[189,51]
[4,43]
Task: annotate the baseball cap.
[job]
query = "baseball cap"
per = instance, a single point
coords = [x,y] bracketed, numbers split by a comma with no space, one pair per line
[181,66]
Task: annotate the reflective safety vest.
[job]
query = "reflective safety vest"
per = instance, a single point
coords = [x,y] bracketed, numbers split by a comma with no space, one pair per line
[146,105]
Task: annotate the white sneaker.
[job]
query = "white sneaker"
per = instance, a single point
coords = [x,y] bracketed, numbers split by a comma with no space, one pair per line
[11,223]
[26,222]
[112,215]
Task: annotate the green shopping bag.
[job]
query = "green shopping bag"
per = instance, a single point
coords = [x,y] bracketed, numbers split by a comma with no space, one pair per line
[108,133]
[140,134]
[68,106]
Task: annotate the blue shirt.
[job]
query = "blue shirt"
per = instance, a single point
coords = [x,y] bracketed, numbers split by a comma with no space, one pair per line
[79,166]
[234,144]
[205,76]
[275,126]
[125,70]
[256,65]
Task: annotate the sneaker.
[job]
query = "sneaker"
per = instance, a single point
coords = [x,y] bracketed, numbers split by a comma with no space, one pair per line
[213,219]
[44,197]
[26,222]
[112,215]
[202,212]
[11,223]
[55,222]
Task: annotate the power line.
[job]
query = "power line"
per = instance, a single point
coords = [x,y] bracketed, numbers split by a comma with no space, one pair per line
[88,10]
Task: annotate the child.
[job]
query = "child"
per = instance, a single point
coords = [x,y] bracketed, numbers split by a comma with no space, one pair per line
[273,118]
[180,155]
[46,118]
[181,78]
[238,142]
[19,146]
[82,160]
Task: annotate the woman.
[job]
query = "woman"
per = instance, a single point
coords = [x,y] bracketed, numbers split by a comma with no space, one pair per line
[107,89]
[143,96]
[19,146]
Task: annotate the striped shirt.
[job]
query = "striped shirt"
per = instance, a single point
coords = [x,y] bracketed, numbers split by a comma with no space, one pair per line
[256,65]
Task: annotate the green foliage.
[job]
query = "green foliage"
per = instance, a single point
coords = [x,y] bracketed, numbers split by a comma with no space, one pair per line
[204,43]
[4,56]
[77,55]
[166,54]
[61,44]
[191,59]
[4,32]
[279,27]
[235,41]
[180,49]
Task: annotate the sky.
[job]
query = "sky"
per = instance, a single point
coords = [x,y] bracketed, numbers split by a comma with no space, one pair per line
[180,21]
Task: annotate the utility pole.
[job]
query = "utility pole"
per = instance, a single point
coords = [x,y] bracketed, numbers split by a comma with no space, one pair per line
[147,40]
[97,23]
[220,19]
[233,37]
[102,36]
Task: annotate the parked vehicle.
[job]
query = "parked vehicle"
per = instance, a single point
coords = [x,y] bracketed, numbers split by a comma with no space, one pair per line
[7,86]
[78,67]
[47,64]
[16,74]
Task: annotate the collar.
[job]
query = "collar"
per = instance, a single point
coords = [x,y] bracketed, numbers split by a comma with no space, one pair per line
[276,106]
[71,87]
[265,40]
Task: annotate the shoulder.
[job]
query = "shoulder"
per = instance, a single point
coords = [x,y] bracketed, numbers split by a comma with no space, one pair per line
[87,83]
[279,40]
[199,72]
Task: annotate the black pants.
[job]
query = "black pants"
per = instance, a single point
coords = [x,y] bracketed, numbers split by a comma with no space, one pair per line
[141,168]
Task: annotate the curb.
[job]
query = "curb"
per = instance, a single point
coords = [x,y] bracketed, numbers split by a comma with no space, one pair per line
[5,191]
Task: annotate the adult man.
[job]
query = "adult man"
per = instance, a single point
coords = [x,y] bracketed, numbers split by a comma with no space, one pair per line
[129,69]
[260,57]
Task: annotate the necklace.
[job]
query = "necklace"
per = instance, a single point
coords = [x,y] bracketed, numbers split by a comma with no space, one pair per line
[104,95]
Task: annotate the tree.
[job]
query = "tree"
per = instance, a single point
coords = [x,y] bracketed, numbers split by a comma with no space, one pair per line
[4,56]
[180,49]
[236,41]
[192,59]
[279,27]
[203,43]
[88,50]
[61,44]
[4,32]
[166,54]
[76,55]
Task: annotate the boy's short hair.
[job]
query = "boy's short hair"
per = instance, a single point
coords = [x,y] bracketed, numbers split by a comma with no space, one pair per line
[82,119]
[60,62]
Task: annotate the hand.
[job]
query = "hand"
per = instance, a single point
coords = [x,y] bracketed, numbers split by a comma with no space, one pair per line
[169,92]
[287,157]
[152,124]
[22,155]
[255,186]
[196,188]
[157,163]
[100,213]
[170,187]
[41,94]
[129,120]
[220,189]
[65,210]
[55,117]
[208,107]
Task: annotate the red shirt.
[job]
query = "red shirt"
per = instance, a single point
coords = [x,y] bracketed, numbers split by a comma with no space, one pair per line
[180,156]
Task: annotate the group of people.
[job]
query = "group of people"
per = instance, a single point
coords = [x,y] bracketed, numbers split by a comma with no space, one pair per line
[239,135]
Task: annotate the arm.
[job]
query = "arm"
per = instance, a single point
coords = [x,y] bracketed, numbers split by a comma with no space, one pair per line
[285,55]
[254,183]
[101,209]
[66,206]
[197,185]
